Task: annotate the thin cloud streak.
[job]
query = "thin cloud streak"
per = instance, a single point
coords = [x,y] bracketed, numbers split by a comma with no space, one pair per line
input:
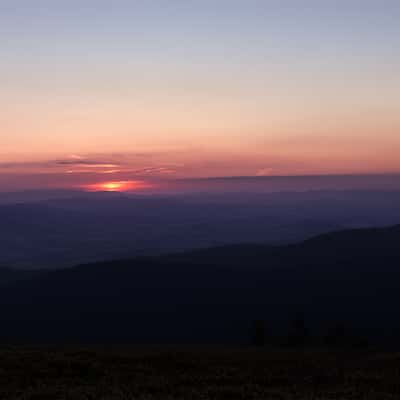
[161,169]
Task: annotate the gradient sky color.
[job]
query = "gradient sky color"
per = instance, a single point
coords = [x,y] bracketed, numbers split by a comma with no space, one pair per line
[116,91]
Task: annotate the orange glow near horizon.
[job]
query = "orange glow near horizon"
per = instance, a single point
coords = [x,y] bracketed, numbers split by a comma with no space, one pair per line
[120,186]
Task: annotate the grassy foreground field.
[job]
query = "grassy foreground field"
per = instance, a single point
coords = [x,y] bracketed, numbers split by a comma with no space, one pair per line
[41,373]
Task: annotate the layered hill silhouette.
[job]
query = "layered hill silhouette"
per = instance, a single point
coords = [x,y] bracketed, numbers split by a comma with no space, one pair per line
[46,231]
[349,278]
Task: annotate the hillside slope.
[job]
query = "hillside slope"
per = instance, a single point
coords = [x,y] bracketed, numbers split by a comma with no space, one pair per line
[349,277]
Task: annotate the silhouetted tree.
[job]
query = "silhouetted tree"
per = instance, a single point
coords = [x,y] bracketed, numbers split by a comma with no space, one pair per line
[258,333]
[337,336]
[298,333]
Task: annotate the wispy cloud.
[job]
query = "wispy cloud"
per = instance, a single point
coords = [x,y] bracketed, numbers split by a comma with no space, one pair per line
[123,165]
[85,162]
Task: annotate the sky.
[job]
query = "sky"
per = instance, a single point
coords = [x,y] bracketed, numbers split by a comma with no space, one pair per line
[127,94]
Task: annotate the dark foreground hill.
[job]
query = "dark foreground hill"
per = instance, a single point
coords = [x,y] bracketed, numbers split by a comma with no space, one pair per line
[347,279]
[10,275]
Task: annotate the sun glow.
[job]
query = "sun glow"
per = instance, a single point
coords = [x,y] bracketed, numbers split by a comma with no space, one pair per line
[120,186]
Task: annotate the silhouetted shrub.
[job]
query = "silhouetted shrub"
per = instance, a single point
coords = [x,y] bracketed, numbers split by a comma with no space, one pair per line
[342,335]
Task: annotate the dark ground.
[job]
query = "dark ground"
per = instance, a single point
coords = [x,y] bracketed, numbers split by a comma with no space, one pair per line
[195,373]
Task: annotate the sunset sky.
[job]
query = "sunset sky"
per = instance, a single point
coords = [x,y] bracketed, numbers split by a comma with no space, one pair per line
[134,93]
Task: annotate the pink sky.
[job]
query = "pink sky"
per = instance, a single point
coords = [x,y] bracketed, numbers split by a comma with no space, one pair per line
[96,92]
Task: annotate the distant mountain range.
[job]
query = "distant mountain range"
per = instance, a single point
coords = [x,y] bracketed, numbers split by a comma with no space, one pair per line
[350,277]
[61,229]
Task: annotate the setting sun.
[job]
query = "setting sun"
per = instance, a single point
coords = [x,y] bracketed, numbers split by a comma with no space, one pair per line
[121,186]
[113,186]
